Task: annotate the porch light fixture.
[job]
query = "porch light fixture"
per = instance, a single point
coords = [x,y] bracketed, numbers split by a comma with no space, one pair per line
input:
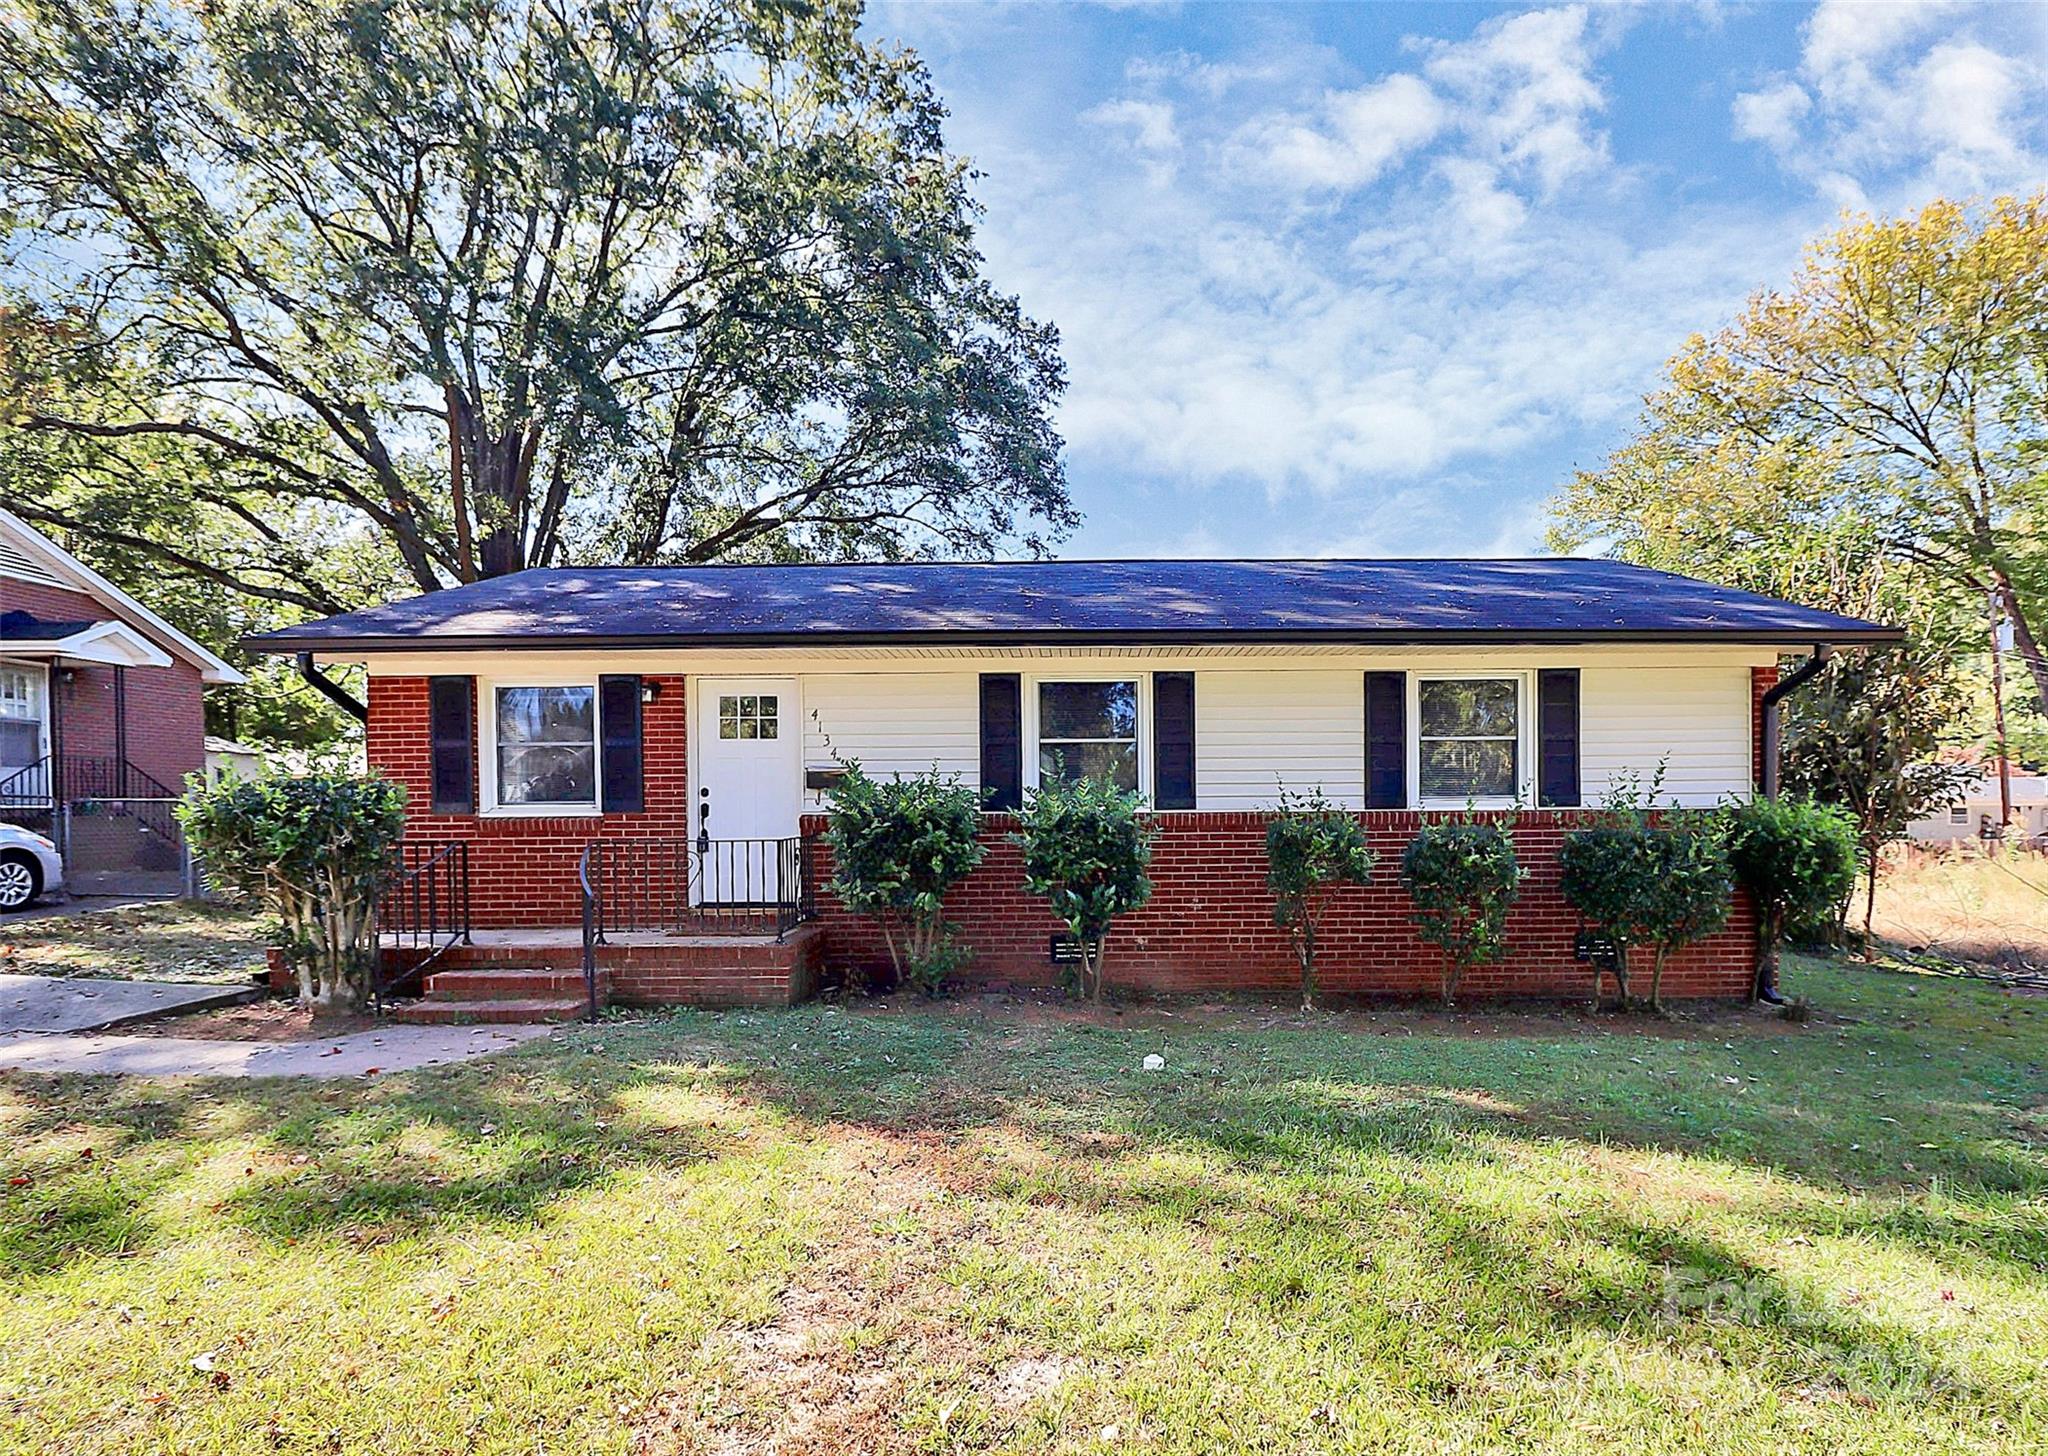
[650,690]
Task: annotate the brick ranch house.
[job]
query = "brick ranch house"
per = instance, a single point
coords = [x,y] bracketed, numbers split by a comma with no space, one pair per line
[101,716]
[667,735]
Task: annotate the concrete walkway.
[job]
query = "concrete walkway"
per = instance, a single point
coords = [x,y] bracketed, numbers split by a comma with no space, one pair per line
[359,1054]
[85,1003]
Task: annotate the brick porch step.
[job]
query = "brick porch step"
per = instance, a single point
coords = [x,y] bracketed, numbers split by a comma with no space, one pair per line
[493,983]
[496,1012]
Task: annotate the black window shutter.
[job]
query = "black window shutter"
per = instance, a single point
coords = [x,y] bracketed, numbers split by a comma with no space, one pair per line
[451,720]
[618,716]
[1173,740]
[1386,740]
[1002,740]
[1557,737]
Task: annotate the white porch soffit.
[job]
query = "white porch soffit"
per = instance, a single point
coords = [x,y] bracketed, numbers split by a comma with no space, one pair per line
[106,644]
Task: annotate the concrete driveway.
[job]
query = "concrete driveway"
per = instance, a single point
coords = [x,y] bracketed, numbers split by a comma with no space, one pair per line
[79,1003]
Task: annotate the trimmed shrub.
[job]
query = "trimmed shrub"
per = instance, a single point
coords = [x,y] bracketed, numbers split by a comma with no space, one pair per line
[897,847]
[313,848]
[1797,859]
[1086,850]
[1463,876]
[1661,884]
[1313,850]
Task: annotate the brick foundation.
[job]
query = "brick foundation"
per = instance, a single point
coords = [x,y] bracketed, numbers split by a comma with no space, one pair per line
[1209,927]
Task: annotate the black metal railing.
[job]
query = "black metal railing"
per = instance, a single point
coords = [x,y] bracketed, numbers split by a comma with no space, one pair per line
[90,783]
[422,912]
[679,886]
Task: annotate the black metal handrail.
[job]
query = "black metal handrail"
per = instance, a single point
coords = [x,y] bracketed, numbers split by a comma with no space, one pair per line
[682,885]
[423,907]
[84,780]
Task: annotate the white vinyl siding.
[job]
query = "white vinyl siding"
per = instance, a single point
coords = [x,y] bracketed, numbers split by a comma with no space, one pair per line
[894,723]
[1255,731]
[1264,716]
[1693,720]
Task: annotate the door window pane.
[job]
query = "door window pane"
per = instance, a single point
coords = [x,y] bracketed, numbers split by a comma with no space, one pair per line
[1469,738]
[547,745]
[749,715]
[21,718]
[1088,730]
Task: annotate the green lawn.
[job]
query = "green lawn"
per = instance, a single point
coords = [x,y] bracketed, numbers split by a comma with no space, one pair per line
[979,1228]
[168,940]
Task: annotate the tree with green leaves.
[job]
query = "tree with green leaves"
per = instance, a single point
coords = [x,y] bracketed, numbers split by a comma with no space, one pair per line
[898,846]
[1864,736]
[1087,847]
[472,287]
[315,849]
[1463,876]
[1879,424]
[1313,850]
[1691,889]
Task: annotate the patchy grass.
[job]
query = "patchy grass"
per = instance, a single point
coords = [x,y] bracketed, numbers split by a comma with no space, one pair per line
[900,1229]
[1966,906]
[169,940]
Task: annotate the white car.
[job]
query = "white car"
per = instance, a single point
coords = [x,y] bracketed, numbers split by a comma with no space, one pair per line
[29,866]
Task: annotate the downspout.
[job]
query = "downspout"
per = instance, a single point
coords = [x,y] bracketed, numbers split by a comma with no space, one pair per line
[333,691]
[1776,694]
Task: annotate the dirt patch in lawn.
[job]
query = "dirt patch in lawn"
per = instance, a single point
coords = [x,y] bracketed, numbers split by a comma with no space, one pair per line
[272,1020]
[825,1374]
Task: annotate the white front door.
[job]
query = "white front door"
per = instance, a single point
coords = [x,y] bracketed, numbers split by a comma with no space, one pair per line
[748,791]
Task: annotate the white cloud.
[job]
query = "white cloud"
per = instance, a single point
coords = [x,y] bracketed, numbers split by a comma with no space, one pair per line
[1906,100]
[1149,122]
[1528,93]
[1355,136]
[1772,115]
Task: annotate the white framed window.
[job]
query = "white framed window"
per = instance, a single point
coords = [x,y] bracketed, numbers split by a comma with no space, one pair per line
[1469,737]
[1959,814]
[542,749]
[1088,727]
[24,716]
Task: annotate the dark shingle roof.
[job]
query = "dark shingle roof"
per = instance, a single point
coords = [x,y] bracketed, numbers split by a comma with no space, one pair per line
[1541,600]
[20,626]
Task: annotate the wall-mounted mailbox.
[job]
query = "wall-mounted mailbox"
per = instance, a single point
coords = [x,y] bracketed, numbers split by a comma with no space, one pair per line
[818,780]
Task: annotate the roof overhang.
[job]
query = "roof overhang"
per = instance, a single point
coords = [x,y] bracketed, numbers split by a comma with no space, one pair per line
[284,642]
[103,644]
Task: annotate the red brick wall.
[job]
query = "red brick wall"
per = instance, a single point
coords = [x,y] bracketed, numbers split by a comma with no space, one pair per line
[166,712]
[1209,926]
[1761,681]
[522,871]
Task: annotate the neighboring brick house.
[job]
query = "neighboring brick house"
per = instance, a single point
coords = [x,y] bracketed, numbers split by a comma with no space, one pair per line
[101,714]
[686,721]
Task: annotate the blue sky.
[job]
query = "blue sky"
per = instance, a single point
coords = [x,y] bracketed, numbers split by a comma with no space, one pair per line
[1372,279]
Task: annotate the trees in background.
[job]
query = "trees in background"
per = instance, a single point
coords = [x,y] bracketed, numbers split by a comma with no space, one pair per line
[307,298]
[1870,436]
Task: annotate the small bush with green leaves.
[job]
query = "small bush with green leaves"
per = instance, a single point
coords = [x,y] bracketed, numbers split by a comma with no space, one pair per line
[1661,880]
[1463,876]
[315,849]
[1087,847]
[1313,850]
[1797,859]
[898,846]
